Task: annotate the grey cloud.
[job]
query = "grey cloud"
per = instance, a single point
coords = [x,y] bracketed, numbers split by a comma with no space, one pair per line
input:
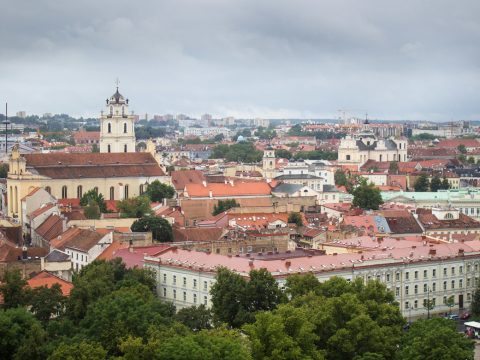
[279,58]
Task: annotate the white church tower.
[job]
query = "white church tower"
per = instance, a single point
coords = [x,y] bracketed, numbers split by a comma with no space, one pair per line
[117,127]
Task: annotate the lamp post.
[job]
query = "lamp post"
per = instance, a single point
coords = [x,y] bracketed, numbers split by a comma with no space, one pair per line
[6,122]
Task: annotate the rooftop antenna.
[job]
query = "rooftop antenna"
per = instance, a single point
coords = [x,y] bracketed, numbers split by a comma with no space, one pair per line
[117,82]
[6,122]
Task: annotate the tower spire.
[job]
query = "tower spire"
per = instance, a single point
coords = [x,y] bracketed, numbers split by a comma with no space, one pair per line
[117,82]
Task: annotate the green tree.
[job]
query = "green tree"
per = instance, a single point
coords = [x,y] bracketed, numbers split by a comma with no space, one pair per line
[224,205]
[445,184]
[262,291]
[46,302]
[435,339]
[462,149]
[21,335]
[136,207]
[160,228]
[92,211]
[471,160]
[462,158]
[240,152]
[3,171]
[128,311]
[157,191]
[450,303]
[265,133]
[228,297]
[422,184]
[295,218]
[393,168]
[341,178]
[284,334]
[195,317]
[435,184]
[367,196]
[13,289]
[92,197]
[218,138]
[298,285]
[282,153]
[475,306]
[95,148]
[83,350]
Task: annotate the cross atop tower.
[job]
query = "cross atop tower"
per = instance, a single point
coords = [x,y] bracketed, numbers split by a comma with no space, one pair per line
[117,82]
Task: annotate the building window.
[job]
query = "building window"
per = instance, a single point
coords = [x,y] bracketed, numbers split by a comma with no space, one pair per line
[425,287]
[407,305]
[461,269]
[205,301]
[406,290]
[397,276]
[174,294]
[112,193]
[407,275]
[387,277]
[397,291]
[444,300]
[434,287]
[108,148]
[434,273]
[125,148]
[64,192]
[460,283]
[79,191]
[125,191]
[348,157]
[453,284]
[48,189]
[164,278]
[415,289]
[164,292]
[194,298]
[444,285]
[415,304]
[124,128]
[205,285]
[184,281]
[416,275]
[174,279]
[184,296]
[194,283]
[453,270]
[444,271]
[425,275]
[109,126]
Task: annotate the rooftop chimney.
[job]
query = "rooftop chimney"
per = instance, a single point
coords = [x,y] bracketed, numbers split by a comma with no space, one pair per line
[288,263]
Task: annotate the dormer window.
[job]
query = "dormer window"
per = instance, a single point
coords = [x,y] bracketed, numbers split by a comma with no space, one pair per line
[448,216]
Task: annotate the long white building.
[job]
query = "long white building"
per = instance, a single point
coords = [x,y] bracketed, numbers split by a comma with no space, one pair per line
[422,271]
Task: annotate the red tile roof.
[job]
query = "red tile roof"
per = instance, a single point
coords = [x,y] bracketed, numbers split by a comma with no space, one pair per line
[197,234]
[455,143]
[51,227]
[46,279]
[40,210]
[183,177]
[93,165]
[239,188]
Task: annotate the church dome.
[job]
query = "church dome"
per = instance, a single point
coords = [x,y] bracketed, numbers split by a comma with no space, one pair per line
[117,98]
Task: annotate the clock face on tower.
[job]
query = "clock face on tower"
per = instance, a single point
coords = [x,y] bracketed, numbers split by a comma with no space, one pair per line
[117,127]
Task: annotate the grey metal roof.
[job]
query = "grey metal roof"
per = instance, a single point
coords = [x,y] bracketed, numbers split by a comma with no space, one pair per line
[330,188]
[287,188]
[57,256]
[297,177]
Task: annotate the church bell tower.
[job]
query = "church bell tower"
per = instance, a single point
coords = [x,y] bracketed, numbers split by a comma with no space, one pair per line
[117,127]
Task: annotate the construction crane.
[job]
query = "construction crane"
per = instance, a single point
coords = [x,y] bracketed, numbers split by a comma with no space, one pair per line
[344,113]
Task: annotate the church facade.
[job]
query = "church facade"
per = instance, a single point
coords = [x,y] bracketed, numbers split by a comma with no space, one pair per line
[117,127]
[117,172]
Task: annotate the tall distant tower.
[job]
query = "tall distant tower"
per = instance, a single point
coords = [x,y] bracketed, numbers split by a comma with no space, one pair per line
[269,162]
[117,127]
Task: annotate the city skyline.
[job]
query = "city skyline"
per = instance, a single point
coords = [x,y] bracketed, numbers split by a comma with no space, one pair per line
[244,59]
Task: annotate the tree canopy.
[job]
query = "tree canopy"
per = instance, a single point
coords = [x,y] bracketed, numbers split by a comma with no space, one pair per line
[160,228]
[157,191]
[135,207]
[367,196]
[240,152]
[93,198]
[224,205]
[422,184]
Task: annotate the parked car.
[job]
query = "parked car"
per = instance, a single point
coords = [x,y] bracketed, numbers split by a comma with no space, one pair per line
[452,317]
[465,315]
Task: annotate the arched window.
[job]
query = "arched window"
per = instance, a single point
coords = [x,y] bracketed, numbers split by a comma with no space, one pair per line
[109,128]
[125,148]
[124,128]
[48,189]
[111,110]
[64,192]
[112,193]
[125,192]
[79,191]
[108,148]
[141,189]
[449,216]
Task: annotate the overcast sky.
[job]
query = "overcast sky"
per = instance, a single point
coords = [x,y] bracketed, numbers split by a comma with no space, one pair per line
[416,59]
